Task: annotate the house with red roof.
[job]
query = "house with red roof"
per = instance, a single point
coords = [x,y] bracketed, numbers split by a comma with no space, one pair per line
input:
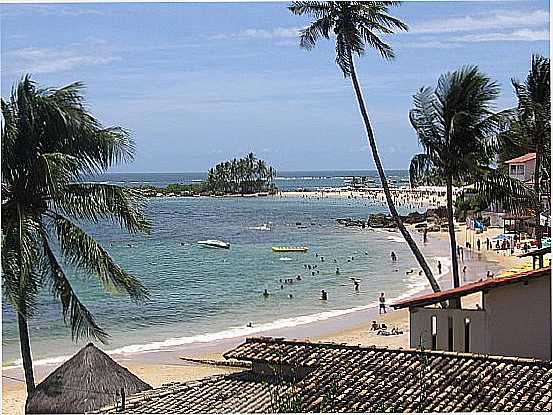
[513,318]
[523,167]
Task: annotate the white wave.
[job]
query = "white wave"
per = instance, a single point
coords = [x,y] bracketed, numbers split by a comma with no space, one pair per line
[285,259]
[416,284]
[395,238]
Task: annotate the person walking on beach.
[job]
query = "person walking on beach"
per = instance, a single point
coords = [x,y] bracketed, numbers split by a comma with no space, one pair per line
[464,272]
[439,267]
[425,235]
[478,244]
[382,302]
[487,244]
[393,256]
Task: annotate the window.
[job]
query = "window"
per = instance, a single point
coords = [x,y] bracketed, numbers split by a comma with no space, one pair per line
[467,335]
[513,169]
[450,334]
[434,328]
[520,169]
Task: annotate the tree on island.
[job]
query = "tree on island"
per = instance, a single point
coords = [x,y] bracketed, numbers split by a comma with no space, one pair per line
[49,142]
[245,176]
[356,25]
[457,128]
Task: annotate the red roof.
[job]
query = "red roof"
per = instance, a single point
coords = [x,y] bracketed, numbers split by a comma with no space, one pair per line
[471,288]
[522,159]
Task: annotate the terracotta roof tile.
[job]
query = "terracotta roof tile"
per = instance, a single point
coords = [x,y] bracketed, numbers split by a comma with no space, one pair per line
[522,159]
[362,379]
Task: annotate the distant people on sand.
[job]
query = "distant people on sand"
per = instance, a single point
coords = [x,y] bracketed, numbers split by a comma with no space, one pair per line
[464,272]
[382,304]
[393,256]
[439,267]
[489,274]
[478,244]
[324,295]
[425,235]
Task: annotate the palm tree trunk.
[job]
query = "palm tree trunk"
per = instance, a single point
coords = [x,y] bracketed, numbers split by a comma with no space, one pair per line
[454,302]
[370,138]
[26,353]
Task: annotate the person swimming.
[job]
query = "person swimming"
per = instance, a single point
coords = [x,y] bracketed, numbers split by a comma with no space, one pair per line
[298,278]
[337,271]
[266,293]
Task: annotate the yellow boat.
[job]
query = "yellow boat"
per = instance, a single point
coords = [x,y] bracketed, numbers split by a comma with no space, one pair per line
[290,248]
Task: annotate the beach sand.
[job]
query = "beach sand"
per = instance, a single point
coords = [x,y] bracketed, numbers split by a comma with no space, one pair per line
[159,368]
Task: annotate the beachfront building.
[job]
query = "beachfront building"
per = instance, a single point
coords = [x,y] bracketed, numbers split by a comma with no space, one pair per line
[513,318]
[327,377]
[86,382]
[522,168]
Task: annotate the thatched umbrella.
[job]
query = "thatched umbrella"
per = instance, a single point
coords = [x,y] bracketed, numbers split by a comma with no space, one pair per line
[86,382]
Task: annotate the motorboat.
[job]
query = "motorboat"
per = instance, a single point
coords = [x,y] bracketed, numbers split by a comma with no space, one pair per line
[290,248]
[214,243]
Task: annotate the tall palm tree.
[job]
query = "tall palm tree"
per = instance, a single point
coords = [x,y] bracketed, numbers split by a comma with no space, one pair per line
[49,143]
[457,128]
[355,26]
[530,129]
[454,124]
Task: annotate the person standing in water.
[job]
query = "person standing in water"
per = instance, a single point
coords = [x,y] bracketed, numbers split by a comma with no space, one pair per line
[324,295]
[393,256]
[382,304]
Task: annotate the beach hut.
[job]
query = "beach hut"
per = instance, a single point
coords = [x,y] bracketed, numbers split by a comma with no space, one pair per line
[84,383]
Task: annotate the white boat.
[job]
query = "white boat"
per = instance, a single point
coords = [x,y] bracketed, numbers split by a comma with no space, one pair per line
[214,243]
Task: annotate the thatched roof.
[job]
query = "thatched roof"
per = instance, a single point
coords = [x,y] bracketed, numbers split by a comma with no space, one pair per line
[87,381]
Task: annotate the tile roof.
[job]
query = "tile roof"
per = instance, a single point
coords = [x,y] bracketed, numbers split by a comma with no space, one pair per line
[522,159]
[473,287]
[349,378]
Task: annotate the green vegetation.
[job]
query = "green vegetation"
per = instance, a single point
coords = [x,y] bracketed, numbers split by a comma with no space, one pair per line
[49,142]
[529,130]
[245,176]
[355,26]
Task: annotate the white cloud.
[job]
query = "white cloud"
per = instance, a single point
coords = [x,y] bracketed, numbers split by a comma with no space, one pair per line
[48,60]
[523,35]
[275,33]
[488,21]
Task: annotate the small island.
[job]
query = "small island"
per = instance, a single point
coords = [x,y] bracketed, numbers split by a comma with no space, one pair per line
[239,177]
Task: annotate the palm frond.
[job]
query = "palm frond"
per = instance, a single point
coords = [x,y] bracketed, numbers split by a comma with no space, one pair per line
[94,201]
[81,320]
[83,252]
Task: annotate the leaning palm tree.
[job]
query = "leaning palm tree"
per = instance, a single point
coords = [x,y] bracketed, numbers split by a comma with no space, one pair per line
[457,128]
[50,142]
[530,129]
[355,26]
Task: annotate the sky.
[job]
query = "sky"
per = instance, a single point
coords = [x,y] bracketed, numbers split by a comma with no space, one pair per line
[197,84]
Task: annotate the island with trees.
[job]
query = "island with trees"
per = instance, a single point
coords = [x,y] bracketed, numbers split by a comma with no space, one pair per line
[245,176]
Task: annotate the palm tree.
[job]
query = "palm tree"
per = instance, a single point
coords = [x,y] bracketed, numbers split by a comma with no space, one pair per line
[355,25]
[457,129]
[530,129]
[49,143]
[454,124]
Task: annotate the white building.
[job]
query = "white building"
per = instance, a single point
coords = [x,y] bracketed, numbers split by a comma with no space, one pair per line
[513,319]
[523,167]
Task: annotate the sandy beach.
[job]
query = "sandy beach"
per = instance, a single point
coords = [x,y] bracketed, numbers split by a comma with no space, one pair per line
[163,367]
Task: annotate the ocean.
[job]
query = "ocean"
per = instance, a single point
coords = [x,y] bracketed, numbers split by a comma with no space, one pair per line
[200,294]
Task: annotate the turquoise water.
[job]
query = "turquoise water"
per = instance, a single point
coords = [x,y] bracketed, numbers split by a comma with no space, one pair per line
[198,293]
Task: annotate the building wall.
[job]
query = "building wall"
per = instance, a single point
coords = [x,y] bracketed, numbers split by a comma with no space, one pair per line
[528,174]
[519,319]
[420,320]
[515,321]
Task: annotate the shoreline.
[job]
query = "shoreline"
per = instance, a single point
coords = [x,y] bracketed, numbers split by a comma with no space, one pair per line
[157,367]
